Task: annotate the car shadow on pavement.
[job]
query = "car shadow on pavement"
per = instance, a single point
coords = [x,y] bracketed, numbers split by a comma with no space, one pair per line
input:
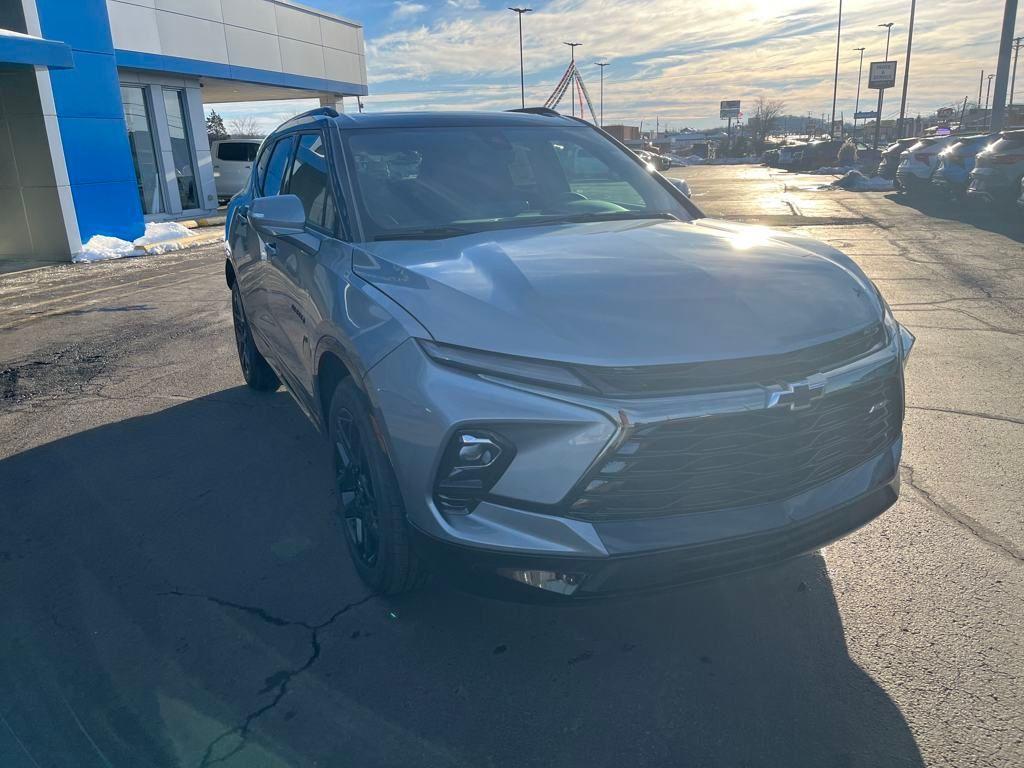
[1006,220]
[176,592]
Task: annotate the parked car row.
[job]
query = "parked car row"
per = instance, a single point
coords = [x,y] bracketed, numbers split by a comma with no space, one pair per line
[810,155]
[985,170]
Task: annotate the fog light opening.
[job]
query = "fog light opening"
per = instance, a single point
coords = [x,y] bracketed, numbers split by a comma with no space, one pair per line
[550,581]
[470,466]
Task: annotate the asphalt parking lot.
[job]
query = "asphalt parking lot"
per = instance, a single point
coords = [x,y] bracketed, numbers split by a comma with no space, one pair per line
[175,592]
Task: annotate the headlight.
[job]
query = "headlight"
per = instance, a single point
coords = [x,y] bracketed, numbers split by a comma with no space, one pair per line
[504,366]
[904,337]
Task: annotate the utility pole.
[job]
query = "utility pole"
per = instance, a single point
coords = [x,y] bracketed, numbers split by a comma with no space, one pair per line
[602,65]
[835,79]
[1013,77]
[906,71]
[988,92]
[981,85]
[572,52]
[963,113]
[522,77]
[1003,66]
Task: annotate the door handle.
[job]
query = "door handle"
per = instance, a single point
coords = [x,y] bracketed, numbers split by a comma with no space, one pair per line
[271,248]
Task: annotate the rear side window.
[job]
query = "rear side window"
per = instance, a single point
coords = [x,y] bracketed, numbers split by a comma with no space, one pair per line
[309,181]
[237,151]
[272,177]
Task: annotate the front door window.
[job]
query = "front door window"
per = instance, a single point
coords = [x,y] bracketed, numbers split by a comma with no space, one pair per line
[181,147]
[140,138]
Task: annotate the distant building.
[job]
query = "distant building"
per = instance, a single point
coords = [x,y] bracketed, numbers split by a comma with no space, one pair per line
[624,133]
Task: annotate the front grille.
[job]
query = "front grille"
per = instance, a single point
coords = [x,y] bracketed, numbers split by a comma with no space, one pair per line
[735,374]
[735,460]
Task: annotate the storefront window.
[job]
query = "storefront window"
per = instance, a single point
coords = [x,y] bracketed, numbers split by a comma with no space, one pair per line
[140,137]
[181,147]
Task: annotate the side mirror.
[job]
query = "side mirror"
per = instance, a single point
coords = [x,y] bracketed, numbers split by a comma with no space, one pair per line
[278,215]
[681,185]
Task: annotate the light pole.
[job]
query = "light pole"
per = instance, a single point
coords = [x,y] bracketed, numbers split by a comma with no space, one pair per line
[888,33]
[572,80]
[998,119]
[906,70]
[1013,79]
[835,79]
[602,65]
[860,72]
[522,77]
[988,92]
[881,91]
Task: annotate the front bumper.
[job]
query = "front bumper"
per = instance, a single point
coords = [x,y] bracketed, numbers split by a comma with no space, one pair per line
[560,438]
[579,578]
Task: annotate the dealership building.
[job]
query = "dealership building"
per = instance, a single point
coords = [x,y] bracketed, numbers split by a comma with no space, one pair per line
[102,116]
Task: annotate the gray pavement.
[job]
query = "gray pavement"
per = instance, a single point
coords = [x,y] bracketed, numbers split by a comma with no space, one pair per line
[175,592]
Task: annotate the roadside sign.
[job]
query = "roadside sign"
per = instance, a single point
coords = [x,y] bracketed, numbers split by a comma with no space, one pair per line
[882,75]
[728,109]
[865,115]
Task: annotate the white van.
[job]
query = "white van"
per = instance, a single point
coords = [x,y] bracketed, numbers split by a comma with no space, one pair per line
[232,164]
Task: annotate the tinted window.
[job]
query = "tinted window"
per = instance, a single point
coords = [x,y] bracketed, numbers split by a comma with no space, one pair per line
[237,151]
[310,183]
[276,167]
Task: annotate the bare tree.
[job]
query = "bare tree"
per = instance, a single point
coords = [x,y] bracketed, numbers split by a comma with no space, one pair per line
[766,115]
[245,128]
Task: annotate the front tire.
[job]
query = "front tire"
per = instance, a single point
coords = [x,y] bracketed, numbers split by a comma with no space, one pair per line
[255,369]
[369,502]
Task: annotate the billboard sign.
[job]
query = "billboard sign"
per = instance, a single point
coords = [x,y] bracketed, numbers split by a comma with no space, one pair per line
[728,109]
[865,115]
[882,75]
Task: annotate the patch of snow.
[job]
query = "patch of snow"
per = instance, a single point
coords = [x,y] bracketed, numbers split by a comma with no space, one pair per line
[103,247]
[834,170]
[855,181]
[159,231]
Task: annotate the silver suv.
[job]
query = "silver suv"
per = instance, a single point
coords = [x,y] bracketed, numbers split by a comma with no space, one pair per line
[540,367]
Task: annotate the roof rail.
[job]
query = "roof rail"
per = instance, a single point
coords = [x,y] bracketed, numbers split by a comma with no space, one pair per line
[318,112]
[537,111]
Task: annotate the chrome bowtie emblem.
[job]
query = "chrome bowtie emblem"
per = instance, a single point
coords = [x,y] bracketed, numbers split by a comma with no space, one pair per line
[798,395]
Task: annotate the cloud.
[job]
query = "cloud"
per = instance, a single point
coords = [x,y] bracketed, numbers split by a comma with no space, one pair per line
[676,59]
[406,10]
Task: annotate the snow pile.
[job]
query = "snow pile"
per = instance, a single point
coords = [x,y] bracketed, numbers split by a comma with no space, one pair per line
[733,160]
[855,181]
[102,247]
[834,170]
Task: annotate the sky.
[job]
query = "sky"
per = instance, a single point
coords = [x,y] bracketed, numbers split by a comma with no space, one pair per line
[669,60]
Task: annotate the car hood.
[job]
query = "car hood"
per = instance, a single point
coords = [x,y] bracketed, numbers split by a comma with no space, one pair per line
[625,293]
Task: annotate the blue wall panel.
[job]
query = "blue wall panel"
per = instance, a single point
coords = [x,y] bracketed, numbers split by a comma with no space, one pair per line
[88,104]
[91,89]
[106,203]
[97,145]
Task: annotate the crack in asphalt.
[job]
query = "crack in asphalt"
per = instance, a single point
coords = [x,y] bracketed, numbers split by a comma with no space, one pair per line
[973,414]
[278,681]
[980,531]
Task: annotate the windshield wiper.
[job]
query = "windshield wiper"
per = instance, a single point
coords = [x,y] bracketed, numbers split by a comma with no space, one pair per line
[430,233]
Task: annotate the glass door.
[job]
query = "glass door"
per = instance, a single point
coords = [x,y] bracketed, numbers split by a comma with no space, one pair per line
[181,147]
[140,138]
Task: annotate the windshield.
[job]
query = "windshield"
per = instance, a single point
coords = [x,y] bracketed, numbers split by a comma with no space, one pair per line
[446,181]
